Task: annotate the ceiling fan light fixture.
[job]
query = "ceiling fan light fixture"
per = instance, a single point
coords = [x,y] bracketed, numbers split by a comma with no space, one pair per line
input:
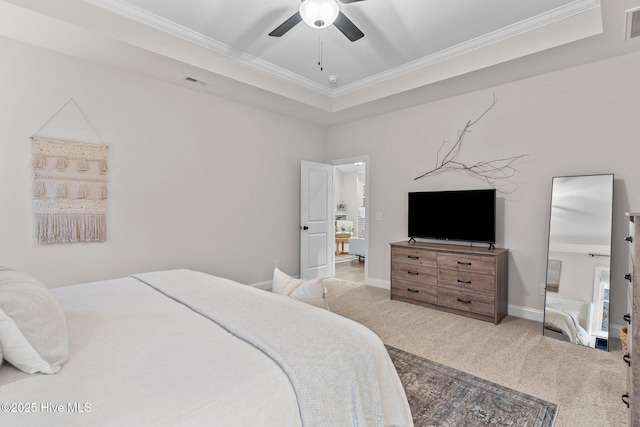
[319,13]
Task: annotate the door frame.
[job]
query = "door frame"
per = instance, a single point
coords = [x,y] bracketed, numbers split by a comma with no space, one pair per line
[346,161]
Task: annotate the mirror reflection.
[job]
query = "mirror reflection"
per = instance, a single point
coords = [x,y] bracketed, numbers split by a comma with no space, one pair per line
[578,260]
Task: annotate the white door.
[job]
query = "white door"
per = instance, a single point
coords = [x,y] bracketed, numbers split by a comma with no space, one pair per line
[317,231]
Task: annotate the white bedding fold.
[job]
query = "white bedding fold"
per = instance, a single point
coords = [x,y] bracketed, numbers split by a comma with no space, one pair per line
[558,320]
[341,372]
[141,359]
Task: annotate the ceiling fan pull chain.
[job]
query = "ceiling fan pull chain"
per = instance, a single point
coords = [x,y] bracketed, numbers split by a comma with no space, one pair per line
[320,53]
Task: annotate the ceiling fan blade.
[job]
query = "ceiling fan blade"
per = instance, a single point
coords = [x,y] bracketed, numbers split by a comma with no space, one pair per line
[286,25]
[347,27]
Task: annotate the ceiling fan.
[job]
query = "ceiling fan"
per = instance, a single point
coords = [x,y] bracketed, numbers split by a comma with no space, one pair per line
[321,14]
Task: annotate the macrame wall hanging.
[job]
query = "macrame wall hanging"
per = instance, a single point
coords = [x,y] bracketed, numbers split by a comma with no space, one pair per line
[69,188]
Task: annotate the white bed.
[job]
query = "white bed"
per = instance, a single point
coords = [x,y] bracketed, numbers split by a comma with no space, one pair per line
[139,357]
[565,324]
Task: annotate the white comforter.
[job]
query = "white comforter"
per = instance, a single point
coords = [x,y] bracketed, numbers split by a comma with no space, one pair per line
[563,322]
[138,358]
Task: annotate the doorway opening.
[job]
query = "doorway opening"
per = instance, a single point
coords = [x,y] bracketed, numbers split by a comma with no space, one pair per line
[350,218]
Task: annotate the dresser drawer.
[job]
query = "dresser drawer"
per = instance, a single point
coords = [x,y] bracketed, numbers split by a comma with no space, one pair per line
[470,263]
[415,291]
[416,257]
[469,281]
[467,301]
[463,281]
[414,273]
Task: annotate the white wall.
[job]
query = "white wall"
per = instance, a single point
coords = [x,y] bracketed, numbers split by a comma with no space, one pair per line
[577,275]
[195,181]
[577,121]
[200,182]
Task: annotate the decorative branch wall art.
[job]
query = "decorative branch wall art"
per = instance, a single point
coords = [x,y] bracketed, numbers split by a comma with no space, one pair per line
[493,172]
[70,191]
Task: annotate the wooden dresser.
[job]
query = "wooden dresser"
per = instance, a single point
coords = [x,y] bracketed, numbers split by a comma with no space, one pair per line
[633,330]
[470,281]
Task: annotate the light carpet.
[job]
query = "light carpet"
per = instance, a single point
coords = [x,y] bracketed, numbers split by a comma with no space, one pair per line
[586,384]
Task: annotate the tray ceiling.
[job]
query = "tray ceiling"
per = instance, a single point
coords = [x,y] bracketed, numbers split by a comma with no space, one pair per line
[400,36]
[413,51]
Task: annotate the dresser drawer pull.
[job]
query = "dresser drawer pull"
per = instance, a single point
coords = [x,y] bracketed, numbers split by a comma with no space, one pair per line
[627,318]
[627,359]
[628,276]
[466,282]
[464,301]
[463,263]
[629,239]
[415,291]
[625,399]
[413,257]
[413,273]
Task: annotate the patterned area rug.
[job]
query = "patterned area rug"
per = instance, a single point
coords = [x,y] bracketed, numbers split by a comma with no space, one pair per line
[440,396]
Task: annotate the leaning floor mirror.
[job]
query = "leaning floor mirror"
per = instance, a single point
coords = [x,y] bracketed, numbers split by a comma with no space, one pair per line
[578,260]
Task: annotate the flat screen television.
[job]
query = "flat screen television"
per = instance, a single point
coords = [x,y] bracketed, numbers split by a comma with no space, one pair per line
[461,215]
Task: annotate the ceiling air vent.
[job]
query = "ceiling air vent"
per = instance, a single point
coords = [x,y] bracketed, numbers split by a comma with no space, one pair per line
[196,81]
[633,23]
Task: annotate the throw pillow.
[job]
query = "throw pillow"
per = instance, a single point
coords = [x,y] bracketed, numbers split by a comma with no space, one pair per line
[33,330]
[311,291]
[284,284]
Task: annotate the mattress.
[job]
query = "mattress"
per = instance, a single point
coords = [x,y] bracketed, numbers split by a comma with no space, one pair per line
[137,357]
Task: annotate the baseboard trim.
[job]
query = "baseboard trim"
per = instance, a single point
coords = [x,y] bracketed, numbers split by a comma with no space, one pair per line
[538,316]
[525,312]
[384,284]
[512,309]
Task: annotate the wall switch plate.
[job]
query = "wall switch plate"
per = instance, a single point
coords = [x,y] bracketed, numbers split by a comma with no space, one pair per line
[378,216]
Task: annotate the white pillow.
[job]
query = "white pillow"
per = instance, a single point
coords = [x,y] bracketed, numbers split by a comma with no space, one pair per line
[310,291]
[284,284]
[33,330]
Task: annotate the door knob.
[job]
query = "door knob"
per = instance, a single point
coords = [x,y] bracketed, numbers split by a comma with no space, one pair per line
[628,277]
[304,227]
[629,239]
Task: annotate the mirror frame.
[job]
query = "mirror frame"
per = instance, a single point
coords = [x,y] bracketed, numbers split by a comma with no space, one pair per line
[560,317]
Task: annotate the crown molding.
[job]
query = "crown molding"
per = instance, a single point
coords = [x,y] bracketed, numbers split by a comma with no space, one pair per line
[154,21]
[539,21]
[132,12]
